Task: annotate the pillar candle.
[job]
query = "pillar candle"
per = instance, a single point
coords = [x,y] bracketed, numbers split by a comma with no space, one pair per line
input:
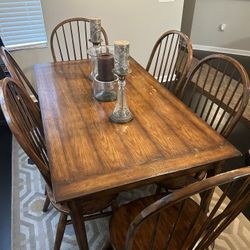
[105,62]
[95,30]
[121,56]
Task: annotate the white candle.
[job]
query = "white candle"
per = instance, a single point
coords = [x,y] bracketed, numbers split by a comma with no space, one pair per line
[95,30]
[121,56]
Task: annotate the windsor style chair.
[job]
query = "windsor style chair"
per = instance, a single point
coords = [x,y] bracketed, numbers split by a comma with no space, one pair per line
[16,72]
[171,59]
[69,40]
[217,90]
[24,120]
[219,93]
[177,221]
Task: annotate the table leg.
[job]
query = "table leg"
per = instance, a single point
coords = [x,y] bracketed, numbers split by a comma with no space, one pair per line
[79,226]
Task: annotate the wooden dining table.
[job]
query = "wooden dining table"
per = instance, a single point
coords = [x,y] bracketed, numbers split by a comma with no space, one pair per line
[90,156]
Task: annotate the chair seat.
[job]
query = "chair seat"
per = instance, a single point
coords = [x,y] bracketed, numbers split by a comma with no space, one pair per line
[126,214]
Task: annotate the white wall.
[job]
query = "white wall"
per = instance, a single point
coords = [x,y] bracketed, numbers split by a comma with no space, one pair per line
[209,14]
[140,22]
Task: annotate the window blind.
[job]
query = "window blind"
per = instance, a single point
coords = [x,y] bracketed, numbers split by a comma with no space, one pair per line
[21,23]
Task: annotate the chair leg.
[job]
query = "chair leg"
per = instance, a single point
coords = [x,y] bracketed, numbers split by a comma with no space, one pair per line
[114,205]
[46,204]
[60,231]
[211,173]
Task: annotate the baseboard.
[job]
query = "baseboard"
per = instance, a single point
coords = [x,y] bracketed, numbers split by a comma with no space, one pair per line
[221,50]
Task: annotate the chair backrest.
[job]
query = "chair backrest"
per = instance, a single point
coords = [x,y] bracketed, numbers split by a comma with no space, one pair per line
[171,59]
[16,72]
[24,119]
[181,218]
[69,40]
[217,90]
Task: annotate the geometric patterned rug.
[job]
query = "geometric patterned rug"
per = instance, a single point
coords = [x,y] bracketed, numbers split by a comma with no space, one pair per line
[34,230]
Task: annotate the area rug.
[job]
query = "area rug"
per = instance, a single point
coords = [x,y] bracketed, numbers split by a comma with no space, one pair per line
[34,230]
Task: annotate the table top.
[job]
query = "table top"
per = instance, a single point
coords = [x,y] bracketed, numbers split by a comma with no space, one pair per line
[89,155]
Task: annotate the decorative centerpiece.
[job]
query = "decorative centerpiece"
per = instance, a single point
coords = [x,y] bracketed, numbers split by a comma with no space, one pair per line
[95,30]
[95,39]
[121,113]
[105,79]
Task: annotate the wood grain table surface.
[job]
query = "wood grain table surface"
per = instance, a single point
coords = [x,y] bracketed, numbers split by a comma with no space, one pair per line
[90,155]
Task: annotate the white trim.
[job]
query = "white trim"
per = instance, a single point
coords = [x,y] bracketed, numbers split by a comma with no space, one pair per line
[222,50]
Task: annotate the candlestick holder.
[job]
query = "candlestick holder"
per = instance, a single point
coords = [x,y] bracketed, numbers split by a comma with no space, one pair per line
[95,39]
[121,113]
[95,30]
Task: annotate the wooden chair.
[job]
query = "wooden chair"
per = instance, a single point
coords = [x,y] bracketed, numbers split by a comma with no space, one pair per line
[25,122]
[16,72]
[217,90]
[171,59]
[69,40]
[177,221]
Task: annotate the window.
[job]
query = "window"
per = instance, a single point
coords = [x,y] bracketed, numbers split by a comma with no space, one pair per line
[21,23]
